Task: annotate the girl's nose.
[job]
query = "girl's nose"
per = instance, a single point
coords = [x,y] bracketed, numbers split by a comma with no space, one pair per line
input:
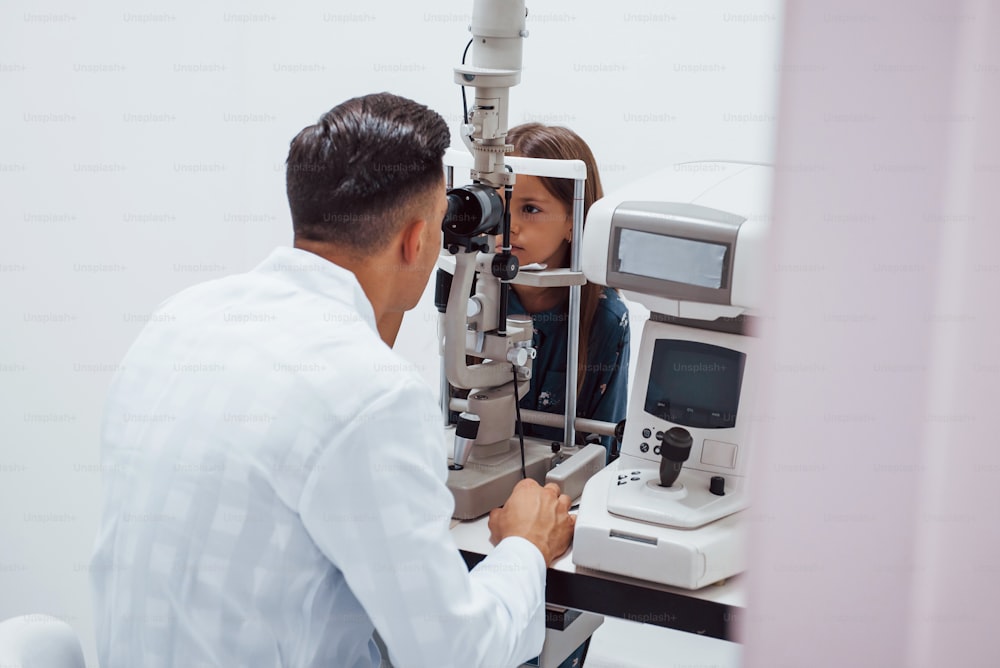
[513,233]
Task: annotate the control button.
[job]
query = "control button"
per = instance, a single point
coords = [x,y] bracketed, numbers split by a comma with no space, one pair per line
[644,447]
[647,432]
[622,482]
[636,479]
[717,486]
[656,451]
[717,453]
[635,473]
[659,436]
[622,475]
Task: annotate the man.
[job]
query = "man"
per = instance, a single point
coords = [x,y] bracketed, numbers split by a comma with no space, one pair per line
[276,474]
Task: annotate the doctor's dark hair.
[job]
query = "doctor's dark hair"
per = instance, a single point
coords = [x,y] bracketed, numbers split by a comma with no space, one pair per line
[351,177]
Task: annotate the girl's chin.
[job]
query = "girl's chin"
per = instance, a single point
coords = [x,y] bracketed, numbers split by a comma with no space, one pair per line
[522,258]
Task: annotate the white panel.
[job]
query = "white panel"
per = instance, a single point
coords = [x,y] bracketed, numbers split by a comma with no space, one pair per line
[717,453]
[957,566]
[849,488]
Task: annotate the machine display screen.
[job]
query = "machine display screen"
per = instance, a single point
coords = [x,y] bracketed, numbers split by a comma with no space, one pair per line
[671,258]
[694,384]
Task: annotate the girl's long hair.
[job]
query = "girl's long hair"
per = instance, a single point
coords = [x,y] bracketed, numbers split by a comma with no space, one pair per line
[535,140]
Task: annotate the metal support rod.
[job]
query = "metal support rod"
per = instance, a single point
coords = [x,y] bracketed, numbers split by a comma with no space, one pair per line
[445,387]
[505,250]
[573,342]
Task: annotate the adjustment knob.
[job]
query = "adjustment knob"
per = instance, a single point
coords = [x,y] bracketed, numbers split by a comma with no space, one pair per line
[505,266]
[517,356]
[465,437]
[717,486]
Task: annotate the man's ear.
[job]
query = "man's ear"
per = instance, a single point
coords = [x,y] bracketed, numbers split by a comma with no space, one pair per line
[412,240]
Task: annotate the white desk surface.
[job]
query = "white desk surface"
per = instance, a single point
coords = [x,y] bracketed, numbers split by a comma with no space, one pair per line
[474,536]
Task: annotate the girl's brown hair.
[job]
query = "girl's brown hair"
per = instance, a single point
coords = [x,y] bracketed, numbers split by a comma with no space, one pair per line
[535,140]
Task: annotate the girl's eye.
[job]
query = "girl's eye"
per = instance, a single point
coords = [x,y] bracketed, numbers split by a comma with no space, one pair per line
[530,208]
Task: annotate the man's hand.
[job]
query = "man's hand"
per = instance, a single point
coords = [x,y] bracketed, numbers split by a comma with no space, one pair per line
[538,514]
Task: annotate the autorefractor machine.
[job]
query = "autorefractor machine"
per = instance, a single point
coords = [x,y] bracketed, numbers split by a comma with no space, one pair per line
[689,243]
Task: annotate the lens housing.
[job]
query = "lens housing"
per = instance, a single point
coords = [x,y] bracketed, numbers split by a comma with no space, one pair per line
[473,210]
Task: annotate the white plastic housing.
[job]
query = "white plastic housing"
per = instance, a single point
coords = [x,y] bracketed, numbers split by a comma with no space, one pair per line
[460,159]
[498,28]
[677,557]
[737,188]
[704,458]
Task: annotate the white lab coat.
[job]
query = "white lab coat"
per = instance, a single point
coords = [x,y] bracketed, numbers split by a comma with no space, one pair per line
[275,487]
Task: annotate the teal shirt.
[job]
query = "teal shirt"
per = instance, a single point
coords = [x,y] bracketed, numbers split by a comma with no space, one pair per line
[605,384]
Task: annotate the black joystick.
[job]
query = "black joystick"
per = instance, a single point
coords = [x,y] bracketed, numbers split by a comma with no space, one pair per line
[675,448]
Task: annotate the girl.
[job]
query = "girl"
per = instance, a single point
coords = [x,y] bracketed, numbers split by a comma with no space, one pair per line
[542,232]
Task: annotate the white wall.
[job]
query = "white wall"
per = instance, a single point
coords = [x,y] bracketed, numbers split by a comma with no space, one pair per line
[142,149]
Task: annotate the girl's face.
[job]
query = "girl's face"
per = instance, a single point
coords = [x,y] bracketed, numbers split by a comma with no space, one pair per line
[541,226]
